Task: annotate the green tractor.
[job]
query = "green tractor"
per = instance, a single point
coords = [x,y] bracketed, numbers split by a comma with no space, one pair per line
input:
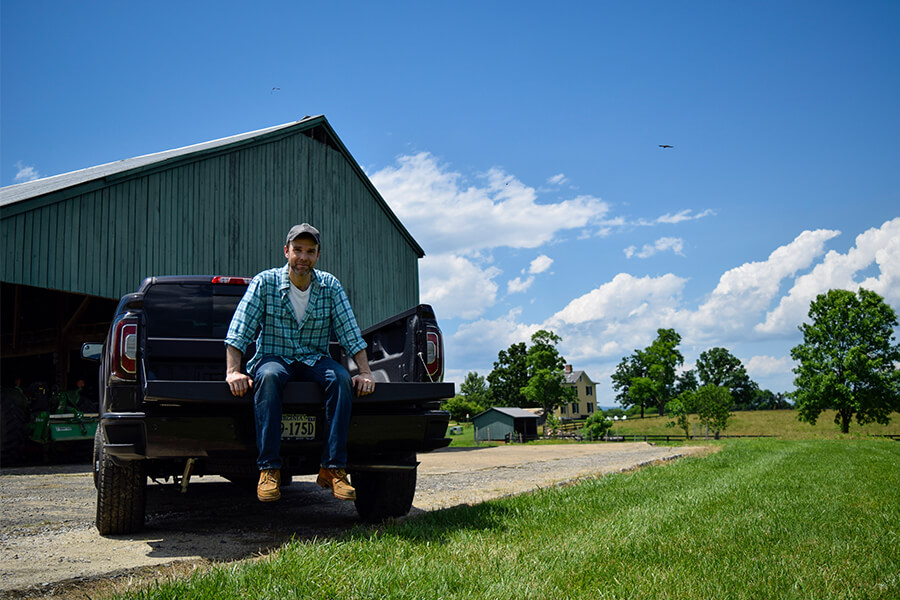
[37,419]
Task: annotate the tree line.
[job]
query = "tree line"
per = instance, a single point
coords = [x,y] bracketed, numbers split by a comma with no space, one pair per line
[848,362]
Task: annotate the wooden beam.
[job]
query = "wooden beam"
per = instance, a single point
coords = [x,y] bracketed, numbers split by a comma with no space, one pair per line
[77,314]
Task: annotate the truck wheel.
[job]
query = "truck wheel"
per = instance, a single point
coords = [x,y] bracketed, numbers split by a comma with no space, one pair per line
[121,495]
[383,494]
[12,427]
[98,448]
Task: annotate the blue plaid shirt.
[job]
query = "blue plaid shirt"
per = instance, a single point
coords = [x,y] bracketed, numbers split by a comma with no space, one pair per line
[265,315]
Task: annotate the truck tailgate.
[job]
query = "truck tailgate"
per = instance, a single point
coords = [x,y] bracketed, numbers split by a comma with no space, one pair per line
[295,394]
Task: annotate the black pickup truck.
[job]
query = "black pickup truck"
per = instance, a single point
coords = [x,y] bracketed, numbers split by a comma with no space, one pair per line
[166,411]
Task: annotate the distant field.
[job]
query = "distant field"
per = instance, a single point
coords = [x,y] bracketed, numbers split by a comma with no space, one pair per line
[782,424]
[779,423]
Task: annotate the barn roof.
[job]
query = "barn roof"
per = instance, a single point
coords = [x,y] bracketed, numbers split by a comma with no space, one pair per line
[51,187]
[47,185]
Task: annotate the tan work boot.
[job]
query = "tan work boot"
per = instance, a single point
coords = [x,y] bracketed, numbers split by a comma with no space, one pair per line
[336,480]
[269,488]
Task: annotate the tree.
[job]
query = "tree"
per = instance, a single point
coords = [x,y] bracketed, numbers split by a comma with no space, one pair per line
[848,359]
[718,366]
[769,400]
[460,409]
[509,376]
[475,390]
[713,406]
[660,359]
[679,409]
[546,385]
[686,382]
[596,426]
[629,369]
[648,376]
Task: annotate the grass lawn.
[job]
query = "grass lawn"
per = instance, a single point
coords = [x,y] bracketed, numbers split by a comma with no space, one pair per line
[761,518]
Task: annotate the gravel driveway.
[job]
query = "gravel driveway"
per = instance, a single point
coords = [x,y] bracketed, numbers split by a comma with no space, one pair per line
[48,543]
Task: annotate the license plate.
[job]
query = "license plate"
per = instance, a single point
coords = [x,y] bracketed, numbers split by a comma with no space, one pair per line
[298,427]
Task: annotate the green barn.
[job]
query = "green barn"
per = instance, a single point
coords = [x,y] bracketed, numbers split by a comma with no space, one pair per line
[74,243]
[505,424]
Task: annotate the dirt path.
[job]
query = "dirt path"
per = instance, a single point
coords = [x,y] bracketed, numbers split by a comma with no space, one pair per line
[49,546]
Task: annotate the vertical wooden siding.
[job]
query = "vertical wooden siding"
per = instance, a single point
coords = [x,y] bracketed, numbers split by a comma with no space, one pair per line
[221,214]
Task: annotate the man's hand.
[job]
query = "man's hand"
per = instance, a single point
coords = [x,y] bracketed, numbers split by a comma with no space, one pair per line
[240,383]
[364,383]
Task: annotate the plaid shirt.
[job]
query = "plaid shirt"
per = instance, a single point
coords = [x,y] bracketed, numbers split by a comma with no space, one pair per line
[265,315]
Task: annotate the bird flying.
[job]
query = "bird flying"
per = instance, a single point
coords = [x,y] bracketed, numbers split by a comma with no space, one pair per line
[665,146]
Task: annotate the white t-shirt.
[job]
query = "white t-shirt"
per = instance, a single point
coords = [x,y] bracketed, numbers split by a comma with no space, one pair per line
[299,300]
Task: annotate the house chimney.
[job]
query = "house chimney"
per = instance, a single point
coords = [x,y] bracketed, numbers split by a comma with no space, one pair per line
[568,369]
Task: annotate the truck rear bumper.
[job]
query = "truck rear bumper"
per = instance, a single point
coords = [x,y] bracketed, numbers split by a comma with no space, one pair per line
[137,435]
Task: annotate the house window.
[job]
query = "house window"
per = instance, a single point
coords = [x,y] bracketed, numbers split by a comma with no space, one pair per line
[562,409]
[589,390]
[590,408]
[574,408]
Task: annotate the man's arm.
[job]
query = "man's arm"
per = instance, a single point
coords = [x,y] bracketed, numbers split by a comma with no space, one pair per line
[363,382]
[239,382]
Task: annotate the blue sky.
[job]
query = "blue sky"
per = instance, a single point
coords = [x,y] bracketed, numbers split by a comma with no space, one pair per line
[519,143]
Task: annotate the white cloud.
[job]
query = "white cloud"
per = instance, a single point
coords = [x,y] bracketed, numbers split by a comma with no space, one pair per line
[765,366]
[447,214]
[540,264]
[877,245]
[684,215]
[558,179]
[457,287]
[25,173]
[623,297]
[519,285]
[744,292]
[663,244]
[477,343]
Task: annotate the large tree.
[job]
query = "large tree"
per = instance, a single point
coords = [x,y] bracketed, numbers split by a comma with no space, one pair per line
[713,406]
[546,385]
[509,376]
[475,390]
[718,366]
[628,370]
[661,359]
[848,359]
[647,377]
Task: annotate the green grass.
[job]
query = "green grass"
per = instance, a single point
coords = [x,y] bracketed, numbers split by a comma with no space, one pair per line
[759,519]
[779,423]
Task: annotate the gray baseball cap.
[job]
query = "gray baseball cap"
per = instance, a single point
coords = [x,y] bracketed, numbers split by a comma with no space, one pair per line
[302,229]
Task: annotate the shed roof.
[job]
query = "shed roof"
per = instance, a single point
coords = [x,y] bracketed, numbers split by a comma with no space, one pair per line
[516,413]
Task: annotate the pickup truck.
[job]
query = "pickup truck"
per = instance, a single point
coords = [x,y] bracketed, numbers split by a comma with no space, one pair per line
[167,413]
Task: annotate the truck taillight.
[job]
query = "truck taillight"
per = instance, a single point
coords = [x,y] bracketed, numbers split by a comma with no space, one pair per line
[231,280]
[124,349]
[434,362]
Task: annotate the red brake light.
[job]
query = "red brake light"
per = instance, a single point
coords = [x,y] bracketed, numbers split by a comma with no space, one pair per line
[124,351]
[434,362]
[231,280]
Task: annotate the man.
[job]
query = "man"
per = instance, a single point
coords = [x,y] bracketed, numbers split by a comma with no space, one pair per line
[290,312]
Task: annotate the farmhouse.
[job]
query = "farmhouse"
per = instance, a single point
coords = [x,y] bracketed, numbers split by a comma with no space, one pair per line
[74,243]
[585,402]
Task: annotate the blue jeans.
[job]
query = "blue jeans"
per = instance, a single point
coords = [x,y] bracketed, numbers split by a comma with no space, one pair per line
[269,379]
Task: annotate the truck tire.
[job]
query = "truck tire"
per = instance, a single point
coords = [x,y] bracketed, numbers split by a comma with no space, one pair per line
[382,495]
[12,427]
[121,495]
[98,448]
